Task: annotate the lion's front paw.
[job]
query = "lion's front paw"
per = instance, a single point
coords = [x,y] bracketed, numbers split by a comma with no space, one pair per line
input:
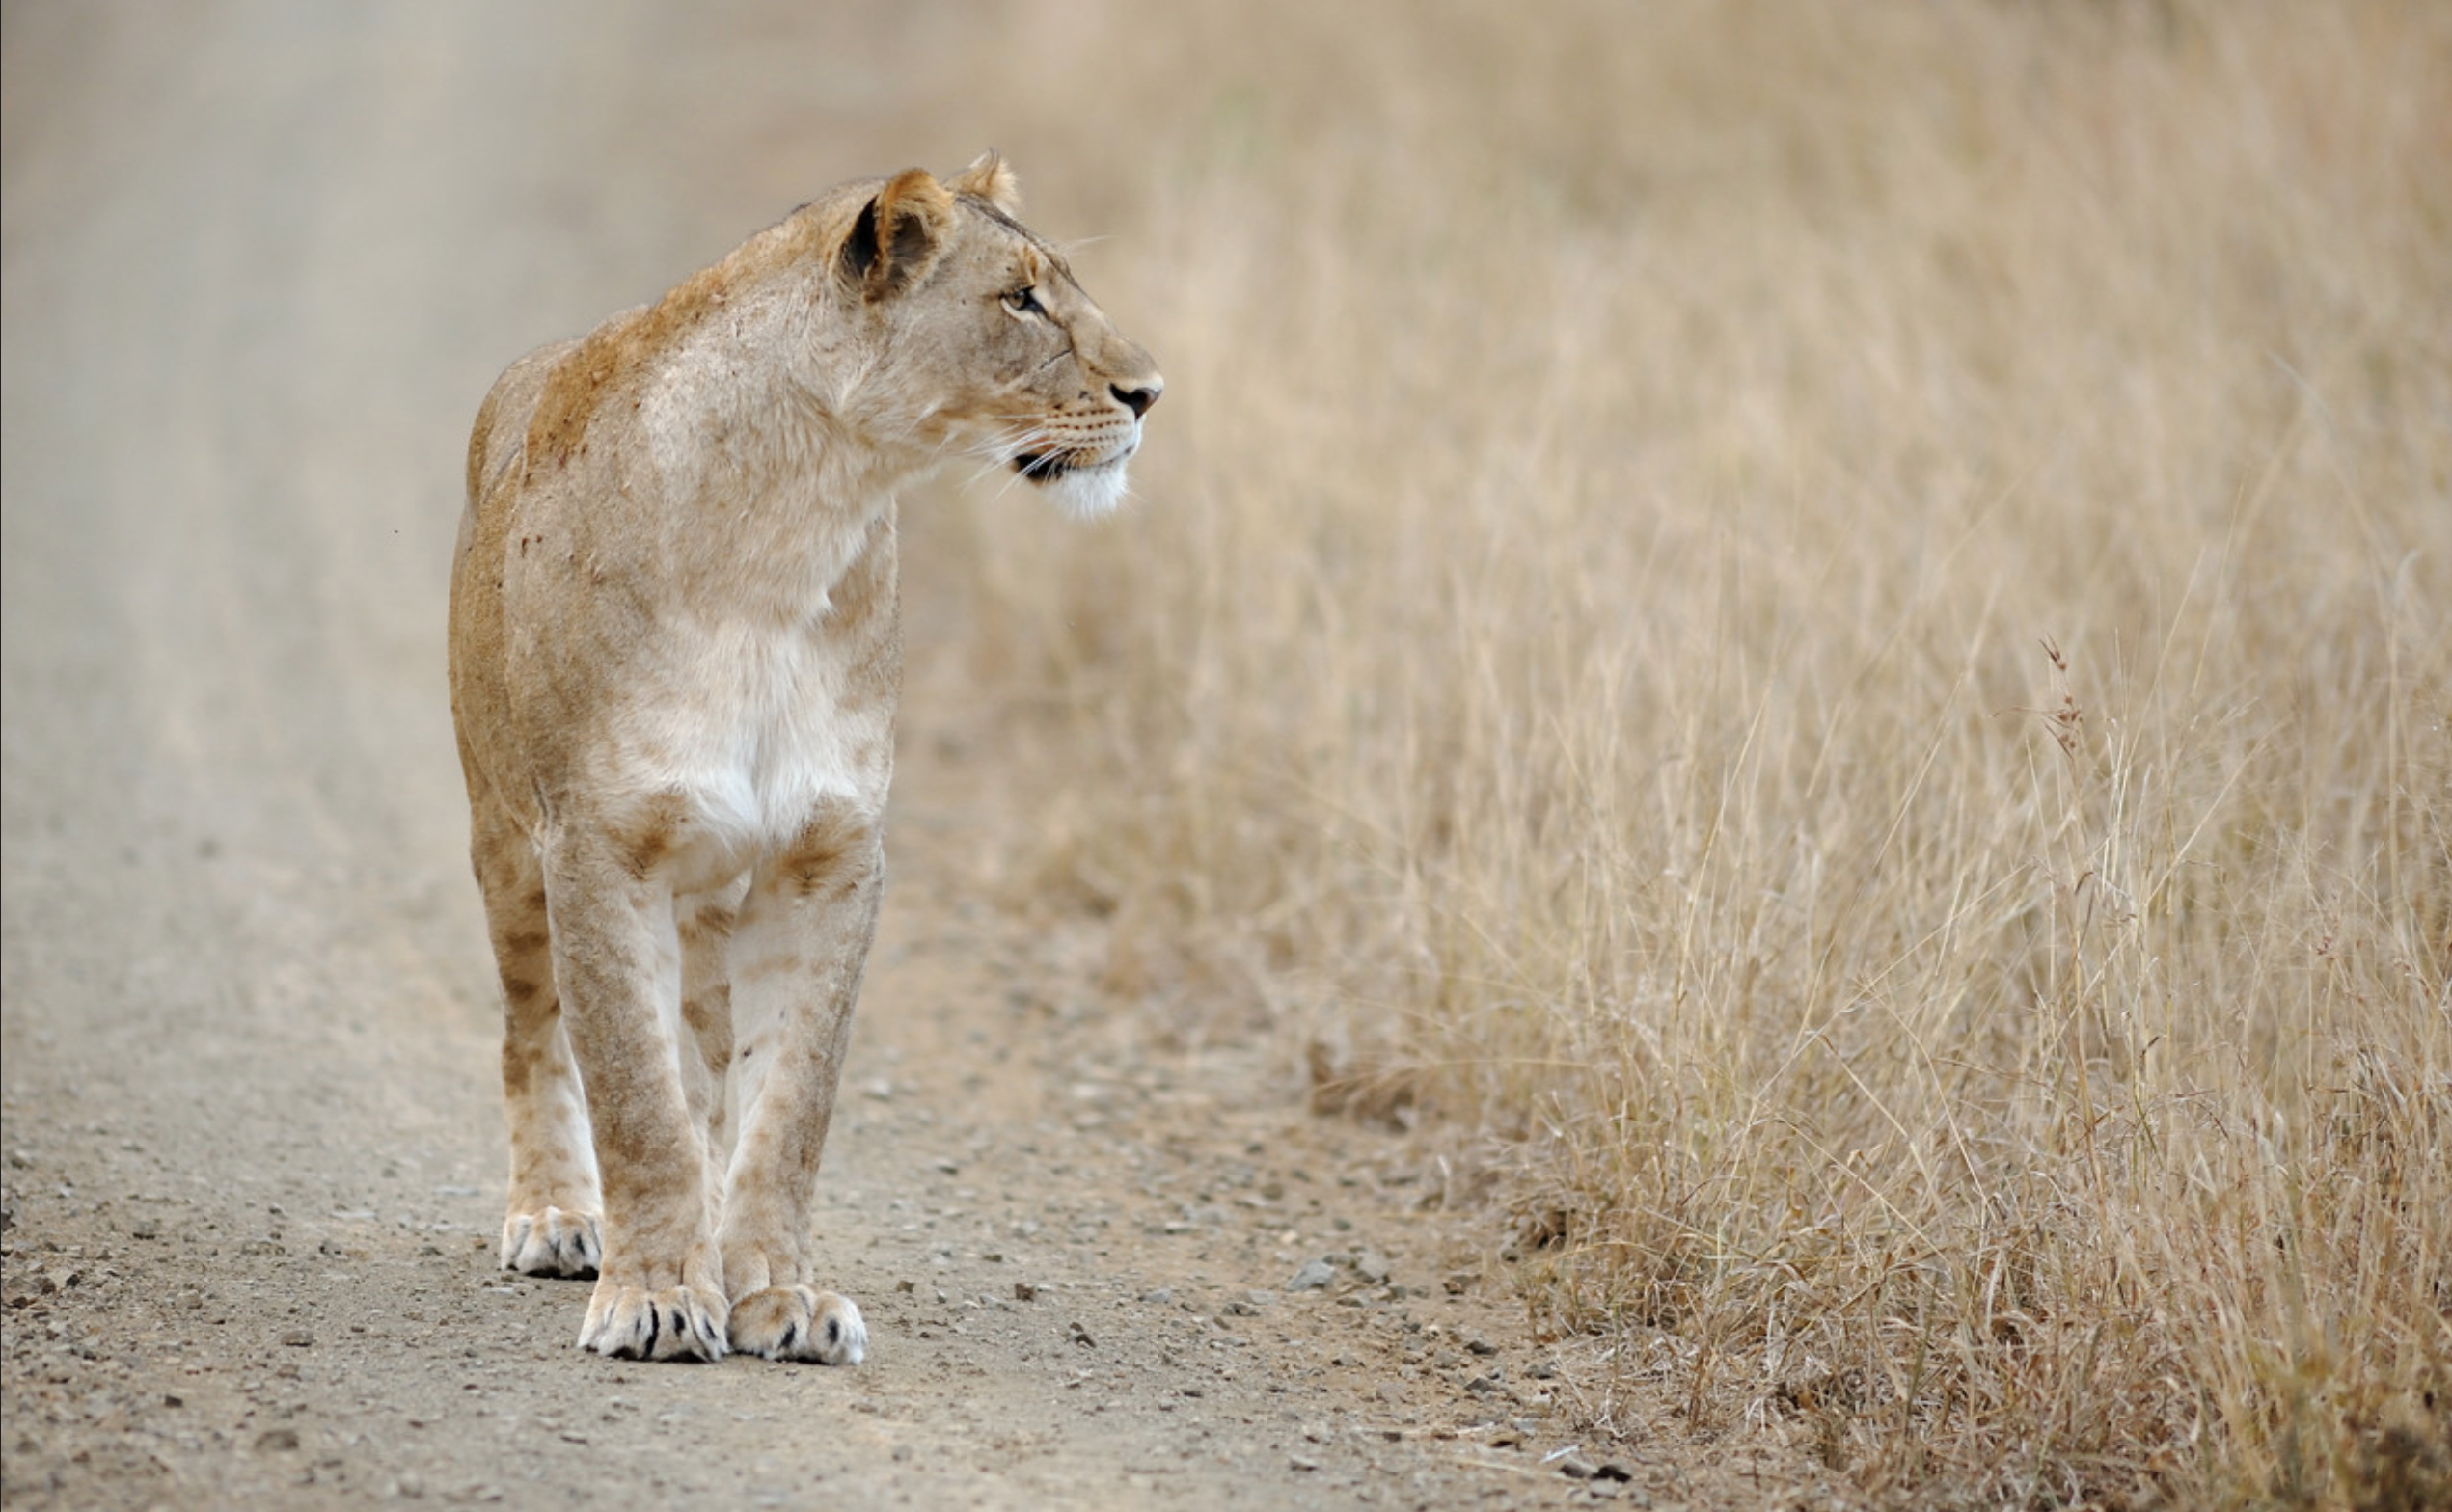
[799,1323]
[634,1322]
[557,1241]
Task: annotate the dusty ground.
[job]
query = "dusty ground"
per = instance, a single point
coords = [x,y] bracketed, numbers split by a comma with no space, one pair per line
[259,266]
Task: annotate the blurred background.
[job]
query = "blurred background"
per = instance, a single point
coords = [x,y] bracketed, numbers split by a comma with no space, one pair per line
[1811,635]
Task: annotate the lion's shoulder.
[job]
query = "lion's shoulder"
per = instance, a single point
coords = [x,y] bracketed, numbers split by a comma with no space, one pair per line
[611,362]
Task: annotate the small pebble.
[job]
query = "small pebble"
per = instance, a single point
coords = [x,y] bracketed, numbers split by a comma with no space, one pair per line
[1313,1275]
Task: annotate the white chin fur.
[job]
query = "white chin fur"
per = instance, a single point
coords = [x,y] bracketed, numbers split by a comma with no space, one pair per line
[1089,493]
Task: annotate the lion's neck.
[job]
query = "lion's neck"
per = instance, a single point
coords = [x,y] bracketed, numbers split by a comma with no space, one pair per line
[778,476]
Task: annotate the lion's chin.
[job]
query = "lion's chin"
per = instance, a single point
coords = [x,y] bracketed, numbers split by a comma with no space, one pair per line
[1085,493]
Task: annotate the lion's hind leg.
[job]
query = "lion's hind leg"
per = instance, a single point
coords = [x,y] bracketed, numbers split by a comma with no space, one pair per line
[552,1226]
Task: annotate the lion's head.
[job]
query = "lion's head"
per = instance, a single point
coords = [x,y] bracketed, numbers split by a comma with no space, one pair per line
[1002,353]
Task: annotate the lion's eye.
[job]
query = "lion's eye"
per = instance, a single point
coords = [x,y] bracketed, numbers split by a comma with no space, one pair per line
[1024,300]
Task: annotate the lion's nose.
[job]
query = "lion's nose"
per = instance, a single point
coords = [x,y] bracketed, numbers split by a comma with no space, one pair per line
[1140,397]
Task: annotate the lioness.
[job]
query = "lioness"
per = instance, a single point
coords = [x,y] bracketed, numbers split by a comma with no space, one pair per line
[675,653]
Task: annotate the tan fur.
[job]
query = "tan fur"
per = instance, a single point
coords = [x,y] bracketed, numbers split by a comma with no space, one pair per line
[676,654]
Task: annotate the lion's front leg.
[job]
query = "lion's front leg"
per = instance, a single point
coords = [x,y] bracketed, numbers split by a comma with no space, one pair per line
[660,1284]
[797,960]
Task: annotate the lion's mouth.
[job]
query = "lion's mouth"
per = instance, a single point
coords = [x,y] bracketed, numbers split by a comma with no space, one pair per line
[1047,466]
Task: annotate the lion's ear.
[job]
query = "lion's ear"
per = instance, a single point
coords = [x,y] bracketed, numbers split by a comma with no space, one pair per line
[990,179]
[899,235]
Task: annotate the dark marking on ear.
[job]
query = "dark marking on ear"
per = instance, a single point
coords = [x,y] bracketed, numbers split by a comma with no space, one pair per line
[860,248]
[898,234]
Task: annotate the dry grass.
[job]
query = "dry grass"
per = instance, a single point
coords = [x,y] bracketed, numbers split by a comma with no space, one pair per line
[1826,627]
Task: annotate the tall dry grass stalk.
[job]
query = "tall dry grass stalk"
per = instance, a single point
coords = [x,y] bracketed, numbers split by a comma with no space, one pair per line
[1828,623]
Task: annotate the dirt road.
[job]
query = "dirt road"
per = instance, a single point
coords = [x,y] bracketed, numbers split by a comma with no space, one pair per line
[260,263]
[259,266]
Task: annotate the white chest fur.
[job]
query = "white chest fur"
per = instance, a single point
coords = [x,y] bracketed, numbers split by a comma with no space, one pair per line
[756,726]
